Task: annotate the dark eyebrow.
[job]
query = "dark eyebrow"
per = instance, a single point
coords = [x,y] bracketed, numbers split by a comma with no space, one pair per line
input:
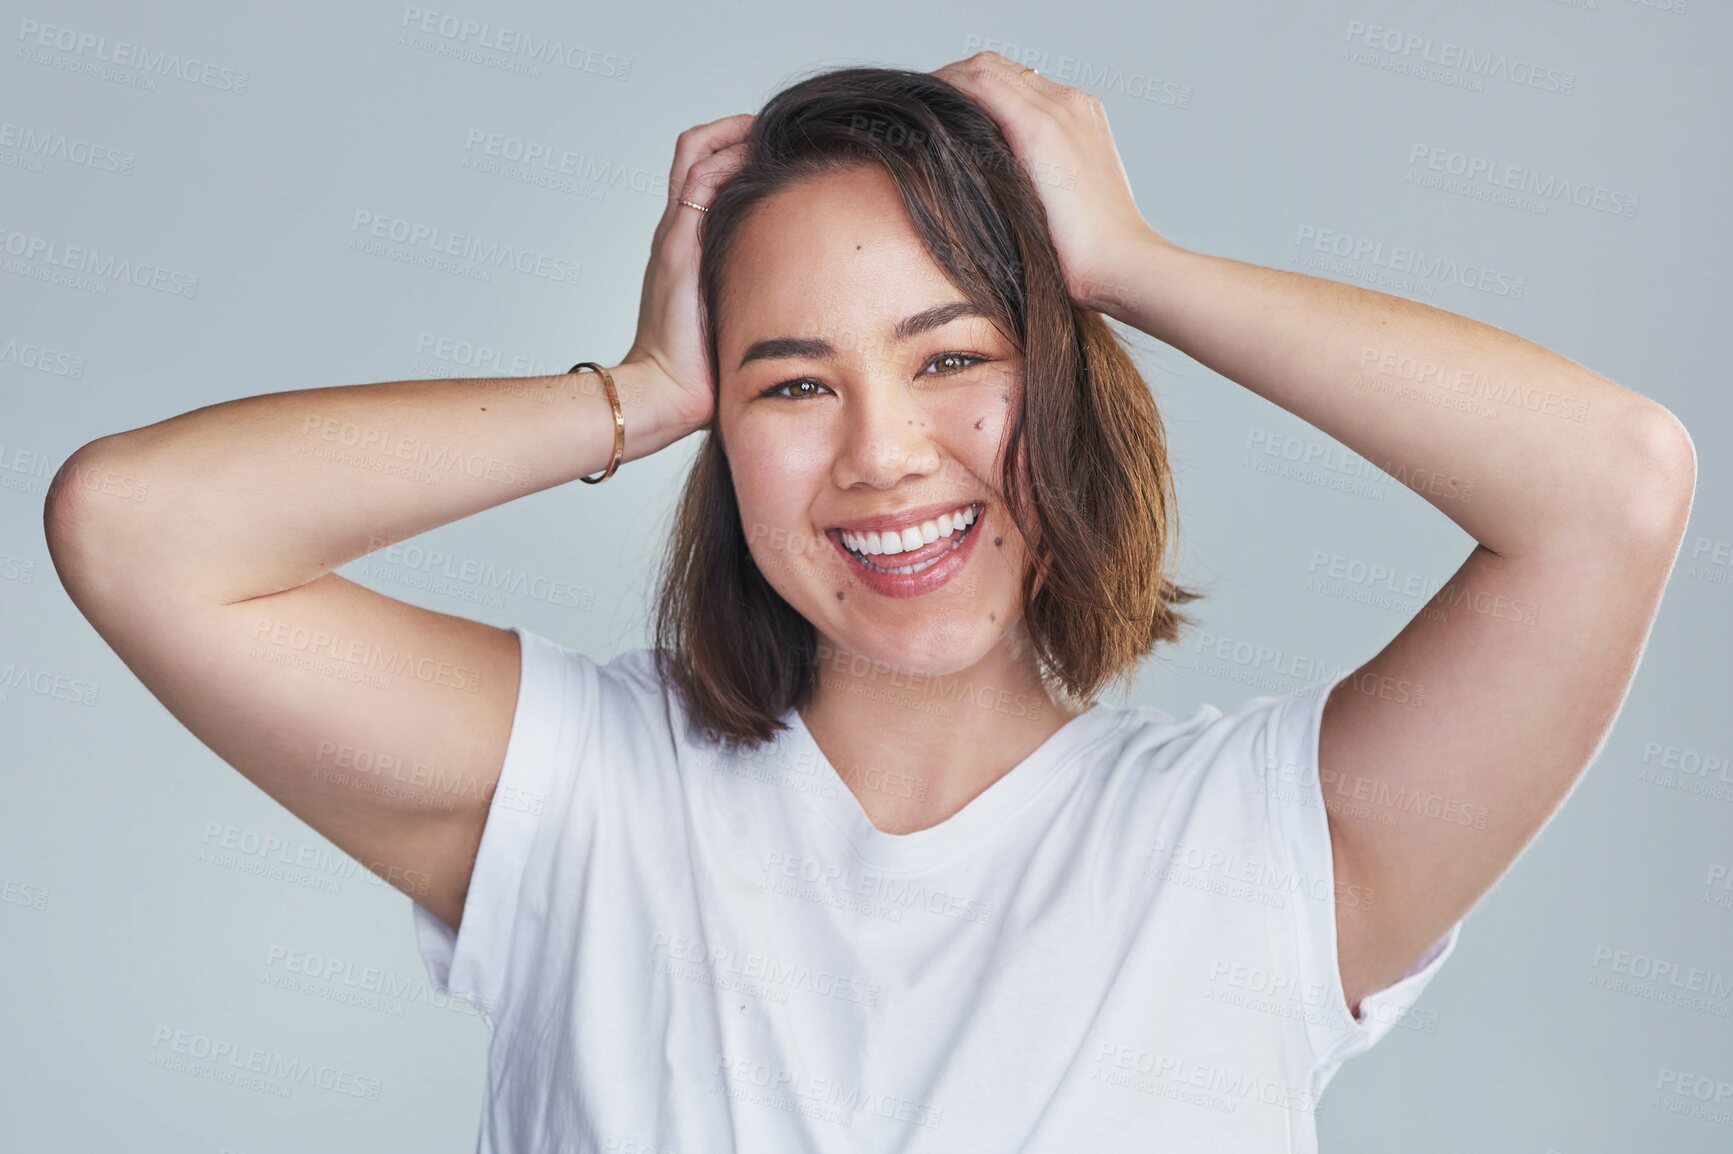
[936,317]
[817,348]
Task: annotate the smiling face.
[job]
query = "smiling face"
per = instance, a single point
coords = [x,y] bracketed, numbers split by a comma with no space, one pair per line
[863,402]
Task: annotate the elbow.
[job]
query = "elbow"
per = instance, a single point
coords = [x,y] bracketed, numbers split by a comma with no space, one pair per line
[62,512]
[90,495]
[67,509]
[1660,477]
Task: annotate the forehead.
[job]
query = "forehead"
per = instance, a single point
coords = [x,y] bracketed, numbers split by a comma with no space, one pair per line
[832,253]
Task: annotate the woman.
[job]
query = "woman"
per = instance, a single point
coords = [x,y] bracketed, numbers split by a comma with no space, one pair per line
[853,859]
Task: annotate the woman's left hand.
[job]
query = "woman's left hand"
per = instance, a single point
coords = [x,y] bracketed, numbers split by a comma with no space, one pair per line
[1061,136]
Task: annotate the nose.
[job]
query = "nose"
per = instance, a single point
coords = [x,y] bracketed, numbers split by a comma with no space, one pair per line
[887,439]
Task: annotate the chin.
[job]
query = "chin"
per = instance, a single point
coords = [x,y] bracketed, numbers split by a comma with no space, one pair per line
[935,645]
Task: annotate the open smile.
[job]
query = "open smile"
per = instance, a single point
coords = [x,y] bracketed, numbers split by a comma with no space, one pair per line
[914,558]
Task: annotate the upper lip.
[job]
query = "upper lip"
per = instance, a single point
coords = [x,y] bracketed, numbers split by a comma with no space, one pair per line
[903,520]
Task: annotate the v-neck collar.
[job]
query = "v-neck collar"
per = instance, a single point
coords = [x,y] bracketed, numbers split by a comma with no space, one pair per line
[975,822]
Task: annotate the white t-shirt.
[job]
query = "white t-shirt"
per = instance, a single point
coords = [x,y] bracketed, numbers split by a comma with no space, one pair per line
[1128,941]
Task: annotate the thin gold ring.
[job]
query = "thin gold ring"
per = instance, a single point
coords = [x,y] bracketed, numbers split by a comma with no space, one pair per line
[684,201]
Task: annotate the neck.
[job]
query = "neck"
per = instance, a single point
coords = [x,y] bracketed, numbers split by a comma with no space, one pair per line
[915,748]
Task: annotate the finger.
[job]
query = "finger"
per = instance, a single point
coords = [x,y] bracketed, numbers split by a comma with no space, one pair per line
[986,66]
[700,141]
[709,173]
[1011,107]
[694,146]
[702,181]
[985,59]
[988,73]
[992,88]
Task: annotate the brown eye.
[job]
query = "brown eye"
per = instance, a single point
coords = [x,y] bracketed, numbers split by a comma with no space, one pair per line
[957,361]
[803,386]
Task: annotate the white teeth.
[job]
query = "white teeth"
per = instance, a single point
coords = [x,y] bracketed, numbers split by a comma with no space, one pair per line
[875,544]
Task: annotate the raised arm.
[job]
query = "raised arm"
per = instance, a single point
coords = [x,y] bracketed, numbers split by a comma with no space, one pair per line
[216,589]
[1576,489]
[202,549]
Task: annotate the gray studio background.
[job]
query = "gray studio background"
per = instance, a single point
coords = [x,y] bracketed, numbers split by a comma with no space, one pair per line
[1257,131]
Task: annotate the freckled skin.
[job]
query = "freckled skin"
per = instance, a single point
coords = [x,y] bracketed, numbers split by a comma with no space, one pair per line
[890,425]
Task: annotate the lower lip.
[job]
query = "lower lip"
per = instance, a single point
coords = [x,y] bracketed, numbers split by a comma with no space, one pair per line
[913,584]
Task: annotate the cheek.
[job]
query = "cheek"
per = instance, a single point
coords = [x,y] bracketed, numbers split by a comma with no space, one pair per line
[972,423]
[779,468]
[777,480]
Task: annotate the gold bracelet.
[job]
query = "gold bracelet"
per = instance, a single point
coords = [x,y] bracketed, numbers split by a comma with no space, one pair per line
[619,421]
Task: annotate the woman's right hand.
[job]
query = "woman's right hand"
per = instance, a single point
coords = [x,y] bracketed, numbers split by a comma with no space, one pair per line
[669,341]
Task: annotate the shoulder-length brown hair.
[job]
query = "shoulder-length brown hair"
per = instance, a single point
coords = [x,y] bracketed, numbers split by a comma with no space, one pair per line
[1086,476]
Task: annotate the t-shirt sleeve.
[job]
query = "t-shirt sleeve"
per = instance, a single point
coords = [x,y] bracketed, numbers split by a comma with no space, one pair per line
[1299,829]
[556,702]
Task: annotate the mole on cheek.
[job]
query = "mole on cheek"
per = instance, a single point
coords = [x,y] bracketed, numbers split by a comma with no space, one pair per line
[840,595]
[998,541]
[981,422]
[991,616]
